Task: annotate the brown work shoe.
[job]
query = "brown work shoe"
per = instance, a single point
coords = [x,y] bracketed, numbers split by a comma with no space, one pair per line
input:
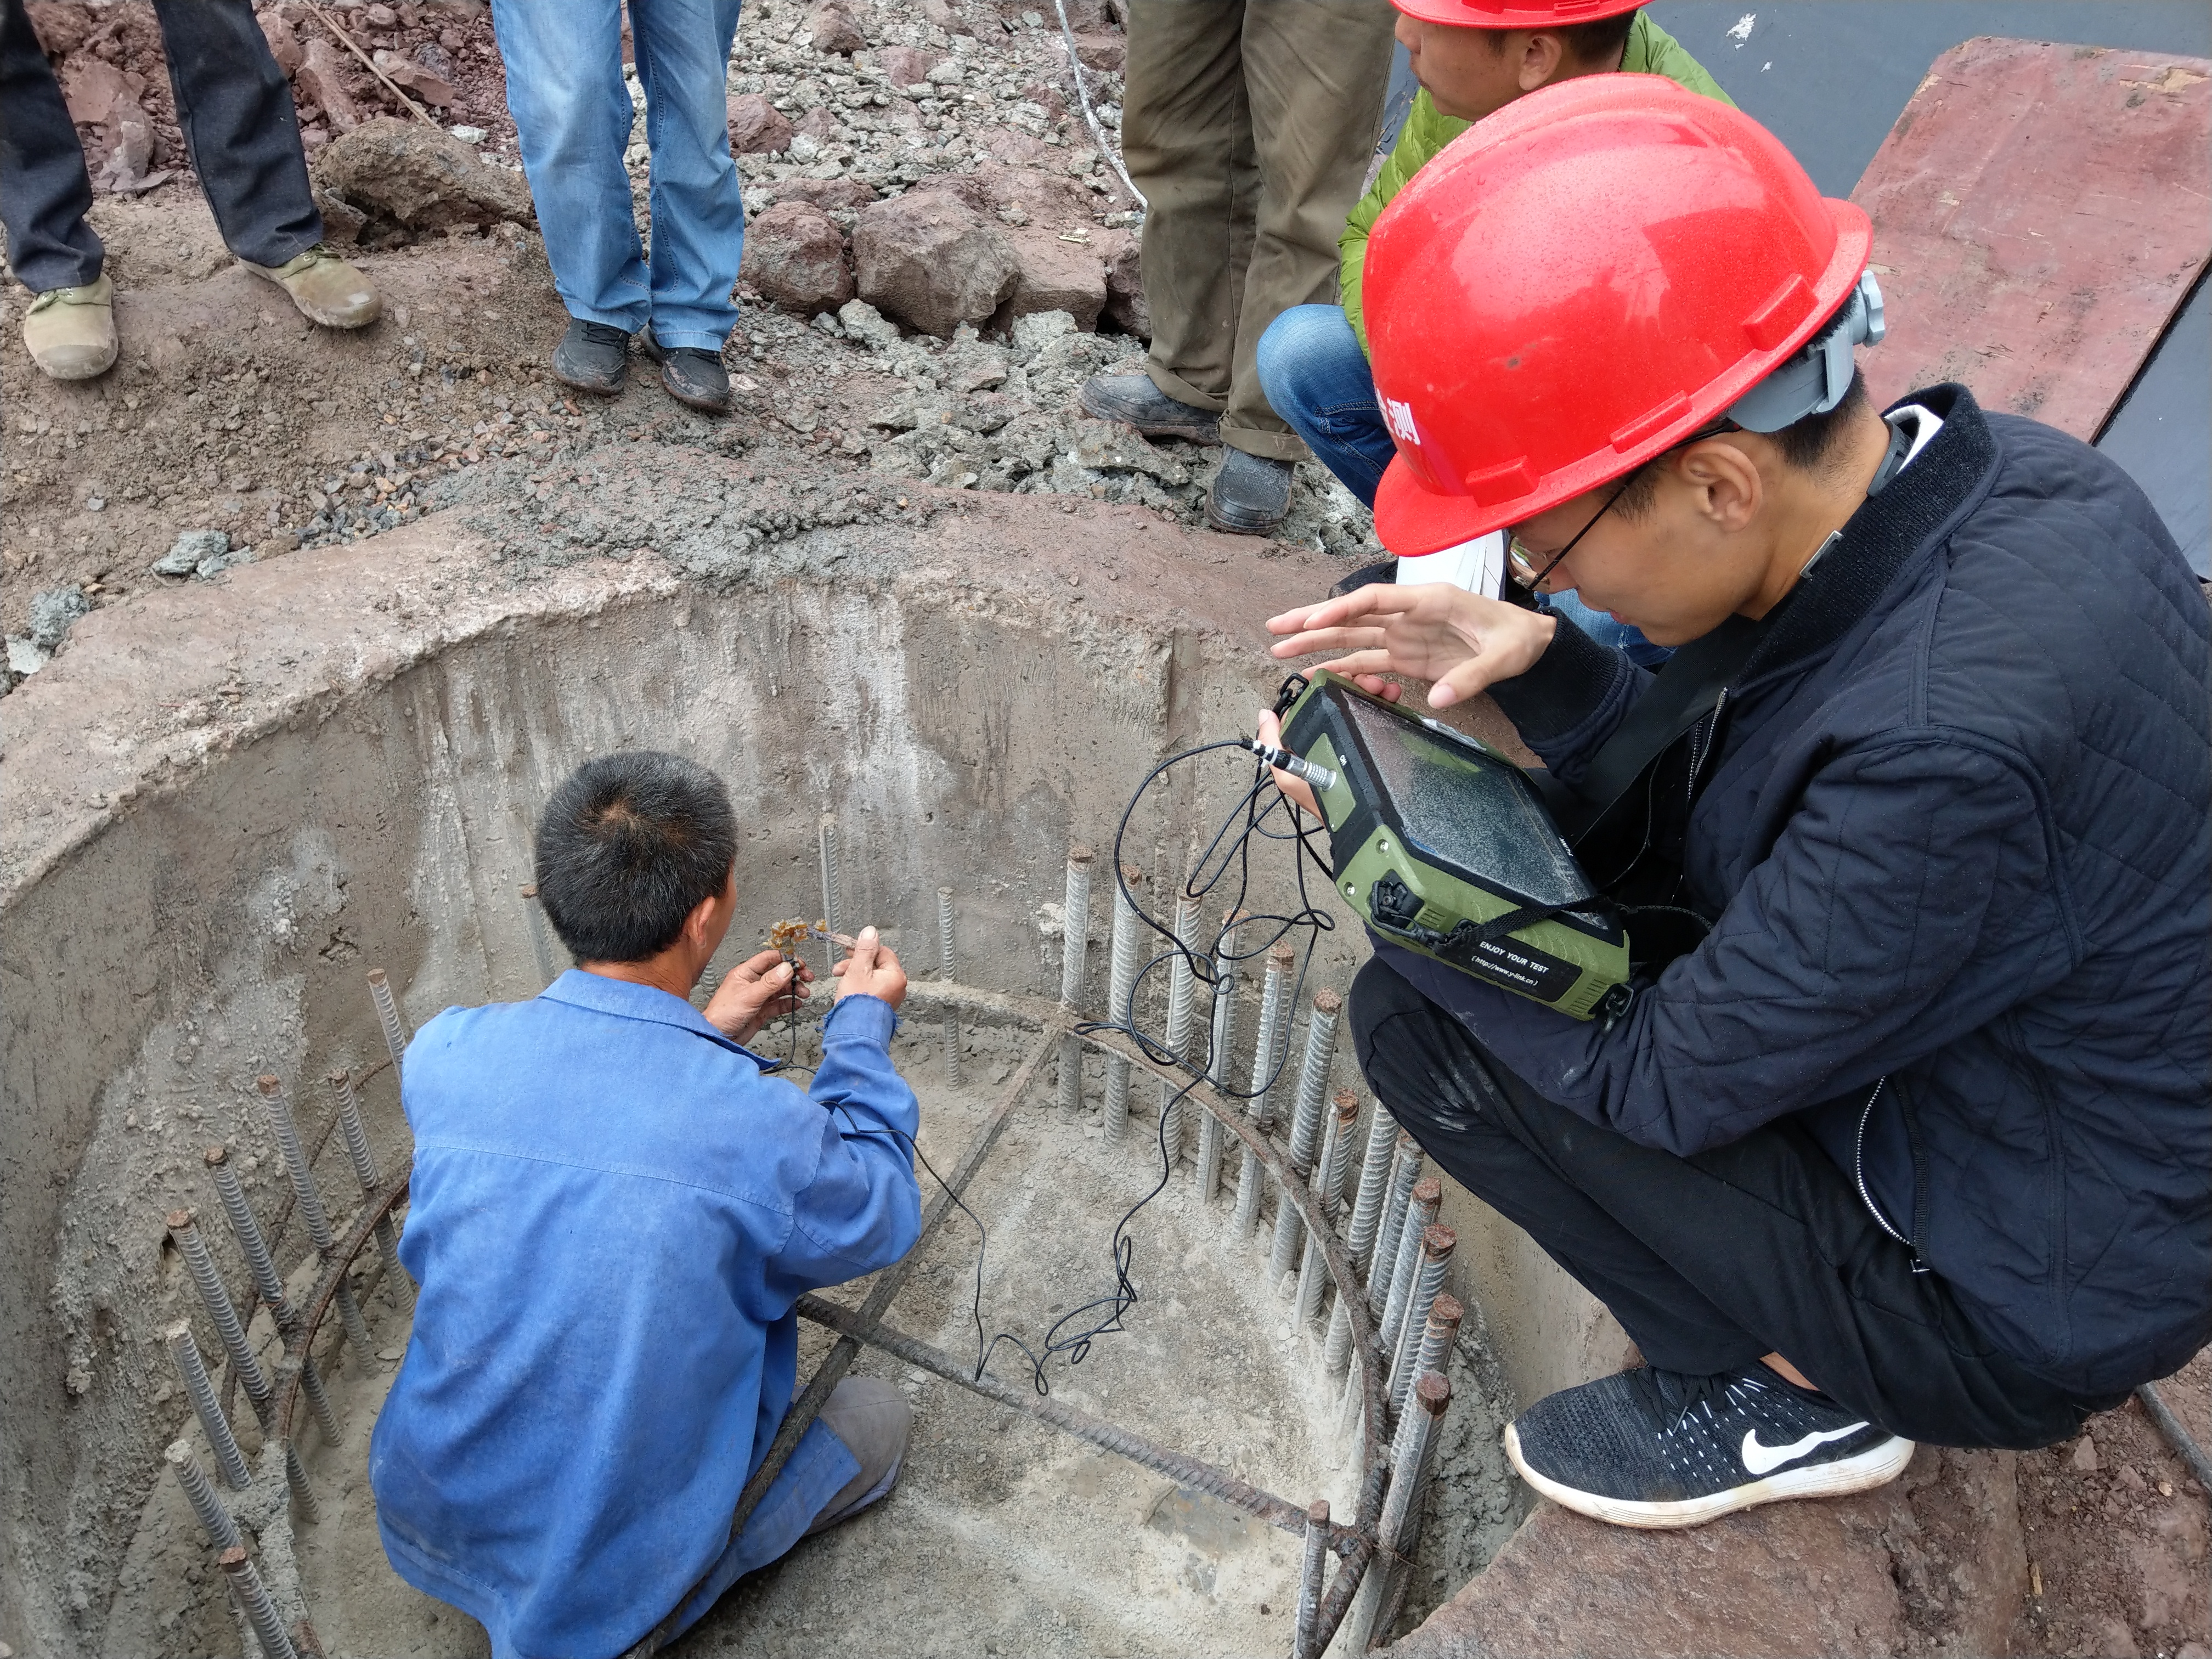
[70,332]
[326,288]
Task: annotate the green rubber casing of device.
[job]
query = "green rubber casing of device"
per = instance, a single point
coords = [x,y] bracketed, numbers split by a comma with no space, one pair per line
[1433,834]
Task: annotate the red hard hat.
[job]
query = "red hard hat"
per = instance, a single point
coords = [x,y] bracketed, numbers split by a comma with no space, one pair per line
[1579,282]
[1514,14]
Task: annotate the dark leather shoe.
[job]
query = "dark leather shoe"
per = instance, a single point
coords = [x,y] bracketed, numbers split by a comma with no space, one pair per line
[692,376]
[1382,570]
[1249,496]
[591,358]
[1134,400]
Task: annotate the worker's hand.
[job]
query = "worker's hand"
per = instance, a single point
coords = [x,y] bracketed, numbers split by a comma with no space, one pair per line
[760,988]
[872,969]
[1300,792]
[1458,641]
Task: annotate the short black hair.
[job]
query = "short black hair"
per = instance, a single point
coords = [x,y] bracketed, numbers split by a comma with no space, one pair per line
[1598,44]
[627,848]
[1810,445]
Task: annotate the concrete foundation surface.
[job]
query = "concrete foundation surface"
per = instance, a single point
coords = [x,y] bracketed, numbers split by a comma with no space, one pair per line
[228,801]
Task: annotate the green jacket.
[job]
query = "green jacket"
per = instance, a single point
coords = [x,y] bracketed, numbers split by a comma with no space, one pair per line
[1650,50]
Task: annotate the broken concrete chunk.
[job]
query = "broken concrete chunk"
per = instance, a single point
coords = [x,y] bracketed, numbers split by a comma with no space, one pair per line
[191,547]
[795,256]
[757,126]
[929,259]
[862,321]
[1105,447]
[409,177]
[909,66]
[1033,332]
[54,611]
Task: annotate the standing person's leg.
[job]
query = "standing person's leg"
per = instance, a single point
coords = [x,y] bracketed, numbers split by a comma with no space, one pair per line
[1187,141]
[45,195]
[698,211]
[1314,375]
[1315,71]
[573,115]
[1711,1263]
[235,107]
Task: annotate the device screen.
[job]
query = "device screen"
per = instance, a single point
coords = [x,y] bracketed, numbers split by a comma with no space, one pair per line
[1461,808]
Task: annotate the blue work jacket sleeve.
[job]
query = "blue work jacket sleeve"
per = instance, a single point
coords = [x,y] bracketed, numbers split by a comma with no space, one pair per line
[1570,699]
[1908,899]
[862,1210]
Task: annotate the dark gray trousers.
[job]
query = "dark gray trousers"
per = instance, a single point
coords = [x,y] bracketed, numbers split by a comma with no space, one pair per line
[236,112]
[1759,1247]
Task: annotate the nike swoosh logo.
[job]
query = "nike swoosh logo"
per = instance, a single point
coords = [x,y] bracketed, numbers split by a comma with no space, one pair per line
[1761,1460]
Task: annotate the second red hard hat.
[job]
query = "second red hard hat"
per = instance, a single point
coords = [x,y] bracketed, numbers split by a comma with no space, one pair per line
[1580,281]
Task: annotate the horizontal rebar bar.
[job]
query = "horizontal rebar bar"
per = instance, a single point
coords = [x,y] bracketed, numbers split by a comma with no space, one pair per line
[1183,1470]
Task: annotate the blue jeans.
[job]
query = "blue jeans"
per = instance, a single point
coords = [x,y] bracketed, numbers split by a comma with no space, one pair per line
[572,112]
[1316,378]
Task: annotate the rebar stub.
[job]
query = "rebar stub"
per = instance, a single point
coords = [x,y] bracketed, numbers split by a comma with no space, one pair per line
[1438,1241]
[1434,1391]
[1428,1190]
[1447,1310]
[1080,855]
[268,1083]
[178,1220]
[1327,1002]
[1347,1107]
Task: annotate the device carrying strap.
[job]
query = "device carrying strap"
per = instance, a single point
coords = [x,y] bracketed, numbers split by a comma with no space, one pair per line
[1683,692]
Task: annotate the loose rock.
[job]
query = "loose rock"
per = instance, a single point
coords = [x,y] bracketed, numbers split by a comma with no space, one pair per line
[1056,275]
[833,30]
[932,261]
[192,547]
[409,178]
[757,126]
[54,611]
[795,256]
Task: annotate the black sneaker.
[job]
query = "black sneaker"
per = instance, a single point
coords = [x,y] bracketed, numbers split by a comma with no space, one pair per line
[1383,571]
[1653,1448]
[1134,400]
[591,358]
[691,376]
[1249,496]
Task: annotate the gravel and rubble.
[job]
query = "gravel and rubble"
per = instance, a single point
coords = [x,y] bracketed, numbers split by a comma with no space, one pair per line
[228,416]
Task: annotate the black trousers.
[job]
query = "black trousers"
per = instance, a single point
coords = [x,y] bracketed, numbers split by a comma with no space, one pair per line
[1708,1263]
[236,112]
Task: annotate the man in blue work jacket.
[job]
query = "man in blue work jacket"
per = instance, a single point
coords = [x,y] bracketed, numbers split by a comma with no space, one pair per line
[614,1208]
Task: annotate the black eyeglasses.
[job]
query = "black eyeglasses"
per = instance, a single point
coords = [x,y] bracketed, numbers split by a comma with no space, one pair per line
[1522,563]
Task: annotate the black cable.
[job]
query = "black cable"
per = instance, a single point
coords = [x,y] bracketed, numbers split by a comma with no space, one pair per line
[1249,819]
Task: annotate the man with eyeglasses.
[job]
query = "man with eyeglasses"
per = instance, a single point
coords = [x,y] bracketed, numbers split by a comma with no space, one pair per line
[1903,1134]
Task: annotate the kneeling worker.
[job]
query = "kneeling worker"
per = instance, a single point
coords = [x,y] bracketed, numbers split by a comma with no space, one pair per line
[614,1208]
[1911,1142]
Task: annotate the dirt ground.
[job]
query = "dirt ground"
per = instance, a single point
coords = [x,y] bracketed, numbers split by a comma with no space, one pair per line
[2117,1534]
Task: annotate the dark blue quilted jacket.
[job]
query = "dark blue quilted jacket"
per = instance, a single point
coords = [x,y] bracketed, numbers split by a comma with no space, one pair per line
[1957,837]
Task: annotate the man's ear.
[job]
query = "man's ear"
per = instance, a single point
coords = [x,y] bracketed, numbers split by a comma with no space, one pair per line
[701,921]
[1726,483]
[1540,59]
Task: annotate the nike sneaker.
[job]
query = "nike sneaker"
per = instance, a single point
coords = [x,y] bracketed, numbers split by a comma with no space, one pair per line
[1653,1448]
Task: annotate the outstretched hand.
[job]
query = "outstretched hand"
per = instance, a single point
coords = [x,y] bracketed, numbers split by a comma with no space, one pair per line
[761,987]
[872,969]
[1459,642]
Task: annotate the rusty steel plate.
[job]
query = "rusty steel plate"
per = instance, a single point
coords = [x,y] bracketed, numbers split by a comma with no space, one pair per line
[2040,211]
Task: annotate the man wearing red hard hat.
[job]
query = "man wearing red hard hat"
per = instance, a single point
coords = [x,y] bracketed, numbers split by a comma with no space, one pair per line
[1472,57]
[1903,1134]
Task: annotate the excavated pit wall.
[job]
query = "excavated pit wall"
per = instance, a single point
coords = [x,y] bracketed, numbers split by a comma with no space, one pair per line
[225,802]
